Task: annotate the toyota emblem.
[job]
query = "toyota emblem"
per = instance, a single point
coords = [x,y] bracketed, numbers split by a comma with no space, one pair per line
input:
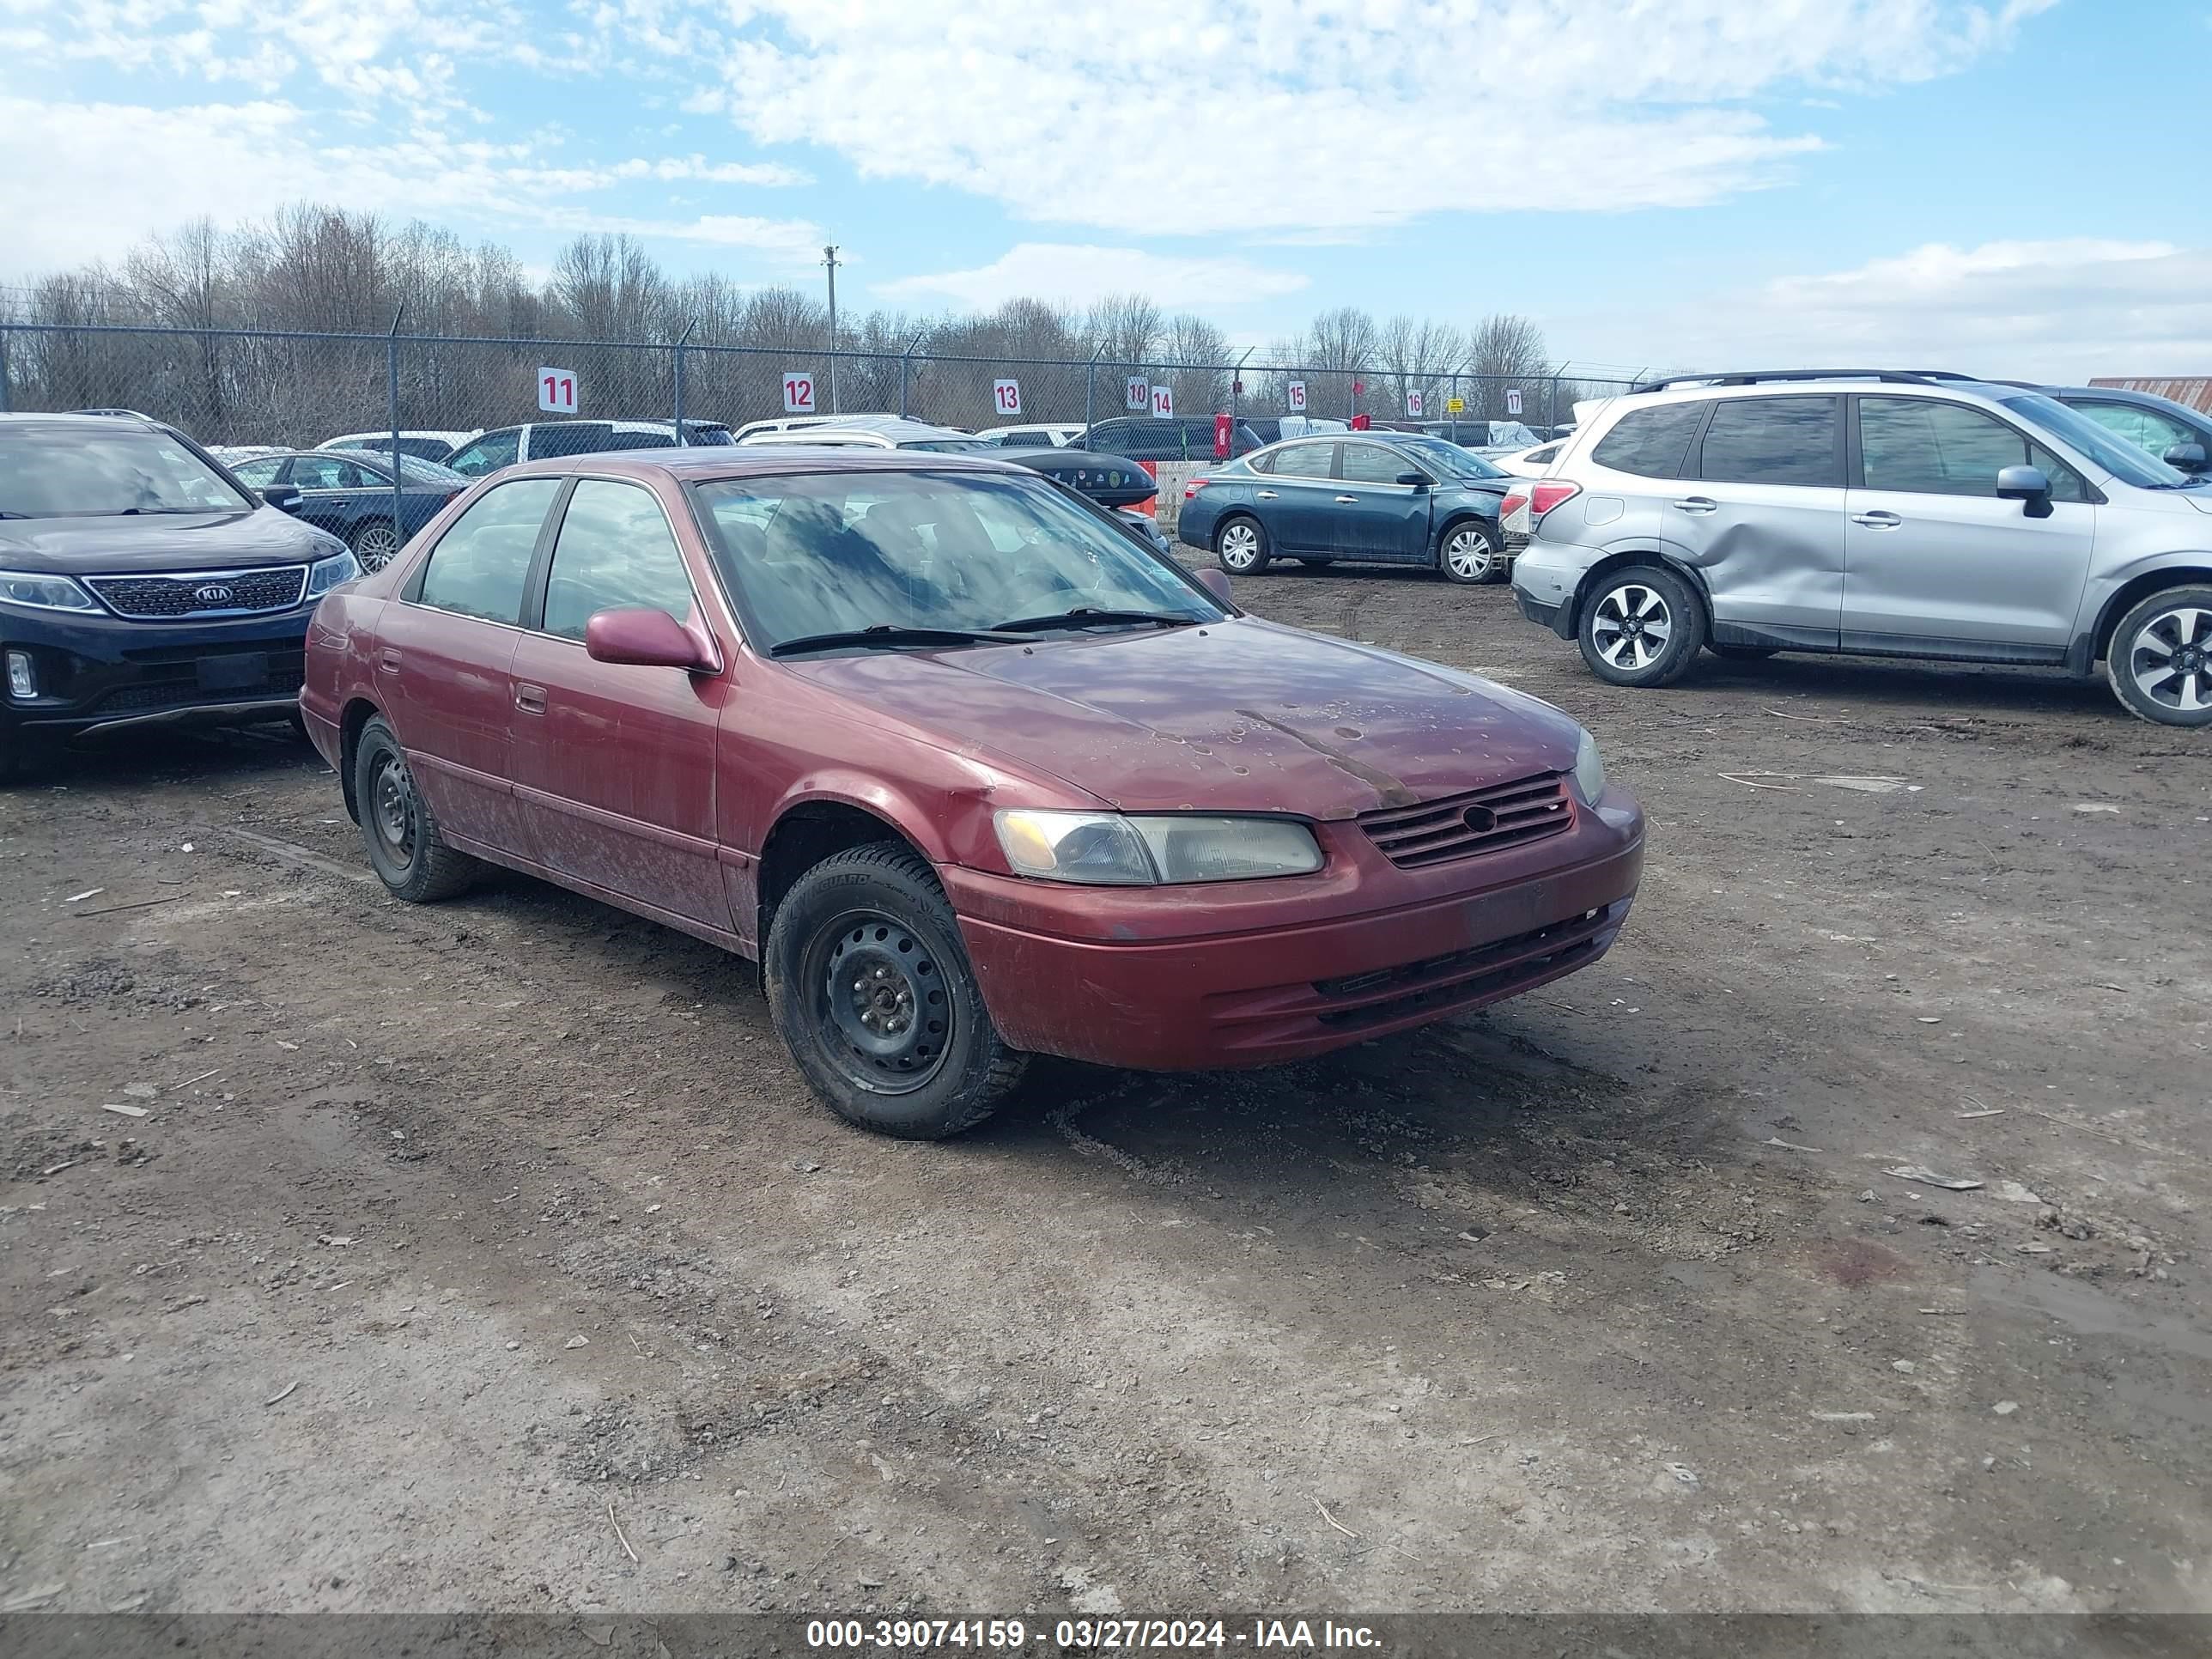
[213,594]
[1480,819]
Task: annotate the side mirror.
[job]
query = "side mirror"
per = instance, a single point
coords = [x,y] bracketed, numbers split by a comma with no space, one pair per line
[2028,485]
[1215,582]
[639,636]
[285,498]
[1419,480]
[2186,457]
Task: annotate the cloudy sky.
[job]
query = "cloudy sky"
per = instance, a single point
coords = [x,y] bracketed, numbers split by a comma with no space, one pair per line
[2005,186]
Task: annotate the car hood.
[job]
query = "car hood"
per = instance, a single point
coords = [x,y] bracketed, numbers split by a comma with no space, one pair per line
[164,541]
[1245,716]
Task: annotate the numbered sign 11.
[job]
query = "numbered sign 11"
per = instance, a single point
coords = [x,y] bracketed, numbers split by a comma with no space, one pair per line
[1297,396]
[556,391]
[1413,405]
[1513,400]
[1007,396]
[798,393]
[1163,400]
[1140,393]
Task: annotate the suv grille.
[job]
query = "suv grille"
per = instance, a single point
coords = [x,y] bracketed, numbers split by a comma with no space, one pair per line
[1480,821]
[210,594]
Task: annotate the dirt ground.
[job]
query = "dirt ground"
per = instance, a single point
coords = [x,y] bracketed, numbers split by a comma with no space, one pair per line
[461,1252]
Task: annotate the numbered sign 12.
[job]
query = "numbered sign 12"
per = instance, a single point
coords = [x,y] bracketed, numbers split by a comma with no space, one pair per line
[1163,400]
[556,391]
[1139,394]
[1413,405]
[1297,396]
[798,393]
[1007,396]
[1513,400]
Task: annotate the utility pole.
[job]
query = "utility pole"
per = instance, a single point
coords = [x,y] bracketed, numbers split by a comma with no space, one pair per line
[830,261]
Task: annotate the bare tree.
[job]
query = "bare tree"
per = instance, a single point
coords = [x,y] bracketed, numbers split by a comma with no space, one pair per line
[1505,352]
[1419,353]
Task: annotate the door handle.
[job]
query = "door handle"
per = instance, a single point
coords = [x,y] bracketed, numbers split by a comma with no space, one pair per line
[1877,519]
[1267,495]
[529,699]
[387,662]
[1347,499]
[1700,505]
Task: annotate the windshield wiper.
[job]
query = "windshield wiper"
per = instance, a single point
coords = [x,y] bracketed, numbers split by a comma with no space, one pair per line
[884,634]
[1083,616]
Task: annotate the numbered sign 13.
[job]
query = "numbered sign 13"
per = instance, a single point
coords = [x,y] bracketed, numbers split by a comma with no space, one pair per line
[1007,396]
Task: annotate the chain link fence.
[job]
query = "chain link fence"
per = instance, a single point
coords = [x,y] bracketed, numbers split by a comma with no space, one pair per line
[292,389]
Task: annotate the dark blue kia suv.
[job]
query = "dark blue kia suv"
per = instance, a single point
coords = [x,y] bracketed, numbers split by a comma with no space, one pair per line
[141,583]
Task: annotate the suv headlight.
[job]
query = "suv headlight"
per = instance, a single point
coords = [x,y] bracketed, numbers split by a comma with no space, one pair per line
[1589,769]
[44,592]
[326,574]
[1112,849]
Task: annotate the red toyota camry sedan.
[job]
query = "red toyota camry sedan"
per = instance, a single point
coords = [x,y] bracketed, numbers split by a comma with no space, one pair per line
[973,772]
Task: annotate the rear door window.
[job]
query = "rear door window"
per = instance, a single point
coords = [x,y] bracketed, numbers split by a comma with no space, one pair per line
[481,563]
[1651,443]
[1774,440]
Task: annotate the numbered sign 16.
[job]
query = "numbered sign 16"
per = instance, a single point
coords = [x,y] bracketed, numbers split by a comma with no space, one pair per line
[1007,396]
[1296,398]
[1413,405]
[1139,394]
[1163,400]
[798,393]
[1513,400]
[556,391]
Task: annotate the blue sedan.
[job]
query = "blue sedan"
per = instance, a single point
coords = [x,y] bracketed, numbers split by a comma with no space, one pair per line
[348,493]
[1373,497]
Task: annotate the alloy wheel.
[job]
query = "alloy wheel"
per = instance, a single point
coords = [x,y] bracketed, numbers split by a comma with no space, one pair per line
[1631,625]
[2170,659]
[375,547]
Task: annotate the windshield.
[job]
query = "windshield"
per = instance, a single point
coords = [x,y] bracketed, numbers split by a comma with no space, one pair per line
[83,472]
[1449,457]
[818,553]
[2122,459]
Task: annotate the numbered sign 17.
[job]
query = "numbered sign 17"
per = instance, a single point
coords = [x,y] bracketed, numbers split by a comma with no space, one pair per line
[1139,394]
[1513,400]
[1163,400]
[1297,398]
[797,394]
[1413,405]
[556,391]
[1007,396]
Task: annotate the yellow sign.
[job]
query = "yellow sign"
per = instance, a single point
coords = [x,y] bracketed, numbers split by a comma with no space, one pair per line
[1455,405]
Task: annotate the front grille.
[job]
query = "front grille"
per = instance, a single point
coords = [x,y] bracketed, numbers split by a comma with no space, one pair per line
[177,686]
[209,593]
[1481,821]
[1482,972]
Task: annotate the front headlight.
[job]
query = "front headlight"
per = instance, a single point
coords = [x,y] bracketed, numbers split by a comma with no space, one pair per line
[1111,849]
[42,592]
[326,574]
[1589,769]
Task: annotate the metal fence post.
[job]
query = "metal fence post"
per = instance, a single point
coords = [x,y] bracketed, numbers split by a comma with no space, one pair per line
[906,359]
[1090,392]
[391,389]
[3,369]
[680,438]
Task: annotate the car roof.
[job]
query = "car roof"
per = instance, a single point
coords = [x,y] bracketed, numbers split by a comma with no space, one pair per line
[86,422]
[705,462]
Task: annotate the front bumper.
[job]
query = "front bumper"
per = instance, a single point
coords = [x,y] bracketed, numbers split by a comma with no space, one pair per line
[1261,996]
[100,674]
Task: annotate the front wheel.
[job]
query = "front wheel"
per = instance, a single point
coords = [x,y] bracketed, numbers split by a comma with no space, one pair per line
[2160,660]
[1469,554]
[1241,546]
[374,544]
[871,989]
[410,856]
[1641,626]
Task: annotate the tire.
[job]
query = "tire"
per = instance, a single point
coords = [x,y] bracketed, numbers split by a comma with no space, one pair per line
[871,989]
[405,849]
[1240,545]
[1742,653]
[2160,659]
[1654,599]
[1468,553]
[375,544]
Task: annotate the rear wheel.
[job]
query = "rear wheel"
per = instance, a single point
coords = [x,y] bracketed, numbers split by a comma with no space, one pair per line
[1641,626]
[1241,546]
[1469,554]
[405,849]
[2160,660]
[374,543]
[871,989]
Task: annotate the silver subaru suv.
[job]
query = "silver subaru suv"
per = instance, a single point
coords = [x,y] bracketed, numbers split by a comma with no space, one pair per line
[1878,512]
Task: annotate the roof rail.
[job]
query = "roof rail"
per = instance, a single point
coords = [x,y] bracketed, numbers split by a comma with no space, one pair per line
[1762,376]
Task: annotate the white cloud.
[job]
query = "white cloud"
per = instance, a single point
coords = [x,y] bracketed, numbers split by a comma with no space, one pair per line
[1076,274]
[1304,116]
[2059,310]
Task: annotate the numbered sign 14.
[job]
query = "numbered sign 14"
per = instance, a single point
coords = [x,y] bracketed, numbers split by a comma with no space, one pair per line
[798,393]
[1007,396]
[1297,396]
[556,391]
[1139,394]
[1413,405]
[1163,400]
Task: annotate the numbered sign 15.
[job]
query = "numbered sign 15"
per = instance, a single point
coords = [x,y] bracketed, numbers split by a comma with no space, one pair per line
[1163,400]
[1296,398]
[1513,400]
[798,393]
[1413,405]
[1139,395]
[1007,396]
[556,391]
